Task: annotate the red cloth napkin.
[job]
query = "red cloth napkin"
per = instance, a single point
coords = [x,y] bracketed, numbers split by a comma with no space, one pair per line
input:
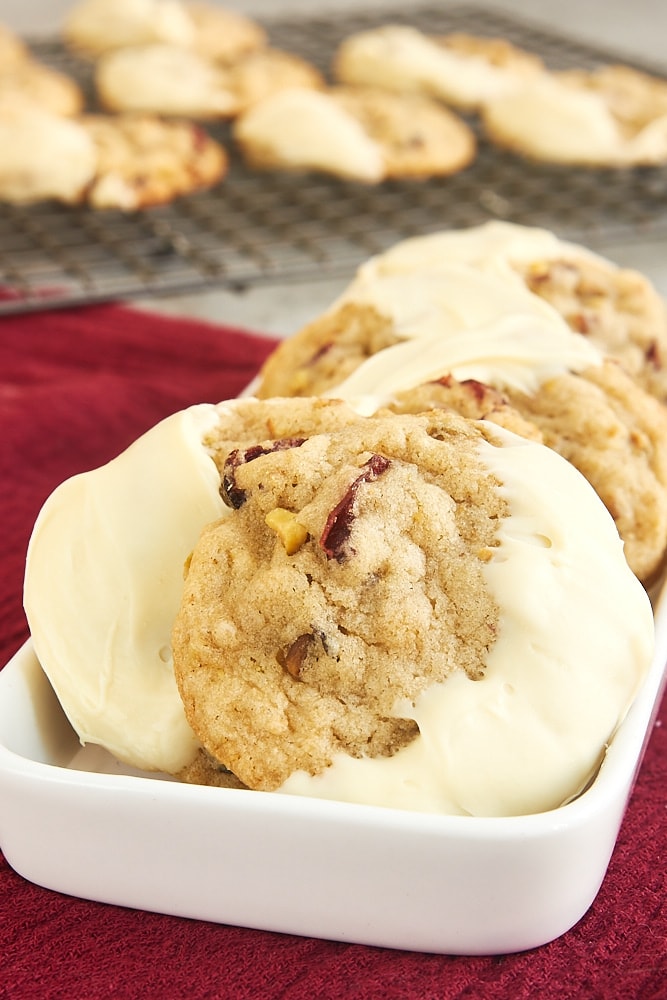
[75,388]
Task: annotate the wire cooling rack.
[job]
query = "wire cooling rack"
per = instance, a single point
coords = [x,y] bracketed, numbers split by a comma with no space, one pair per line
[272,227]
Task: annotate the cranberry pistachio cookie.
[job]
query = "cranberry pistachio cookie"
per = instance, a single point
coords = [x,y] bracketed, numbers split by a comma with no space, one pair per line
[617,309]
[388,303]
[94,27]
[459,69]
[125,162]
[44,155]
[614,116]
[171,80]
[357,134]
[311,537]
[144,161]
[13,51]
[597,419]
[298,674]
[24,77]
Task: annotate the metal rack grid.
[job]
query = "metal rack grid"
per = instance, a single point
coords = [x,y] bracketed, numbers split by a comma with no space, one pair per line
[268,227]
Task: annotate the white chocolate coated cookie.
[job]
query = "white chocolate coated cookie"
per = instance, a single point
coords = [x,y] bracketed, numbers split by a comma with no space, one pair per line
[98,26]
[461,70]
[616,309]
[125,162]
[613,117]
[170,80]
[363,135]
[163,79]
[43,155]
[296,671]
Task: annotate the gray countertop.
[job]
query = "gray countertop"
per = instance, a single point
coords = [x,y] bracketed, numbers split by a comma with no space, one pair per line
[635,31]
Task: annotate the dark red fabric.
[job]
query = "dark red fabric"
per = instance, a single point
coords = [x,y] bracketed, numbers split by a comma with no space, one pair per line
[75,388]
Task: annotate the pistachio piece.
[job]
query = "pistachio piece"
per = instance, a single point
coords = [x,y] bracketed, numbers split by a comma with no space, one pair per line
[289,531]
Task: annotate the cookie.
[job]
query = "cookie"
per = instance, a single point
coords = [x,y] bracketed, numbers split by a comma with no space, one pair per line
[459,69]
[636,99]
[170,80]
[611,117]
[362,135]
[617,309]
[602,423]
[295,670]
[616,435]
[268,71]
[473,325]
[164,79]
[382,308]
[22,76]
[12,49]
[144,161]
[205,770]
[124,162]
[324,352]
[44,155]
[94,27]
[222,34]
[312,661]
[469,398]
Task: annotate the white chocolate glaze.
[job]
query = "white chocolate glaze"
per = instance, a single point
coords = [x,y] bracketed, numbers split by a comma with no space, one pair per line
[575,640]
[459,320]
[492,246]
[515,352]
[305,128]
[103,583]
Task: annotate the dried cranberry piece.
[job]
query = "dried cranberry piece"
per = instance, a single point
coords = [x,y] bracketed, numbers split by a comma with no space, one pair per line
[335,536]
[480,390]
[653,355]
[232,495]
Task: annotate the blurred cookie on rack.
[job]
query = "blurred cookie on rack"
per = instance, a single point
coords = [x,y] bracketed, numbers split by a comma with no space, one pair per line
[172,80]
[93,27]
[613,116]
[44,155]
[459,69]
[22,75]
[12,49]
[123,162]
[144,161]
[357,134]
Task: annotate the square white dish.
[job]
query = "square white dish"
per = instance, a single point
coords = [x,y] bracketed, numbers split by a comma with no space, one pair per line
[76,821]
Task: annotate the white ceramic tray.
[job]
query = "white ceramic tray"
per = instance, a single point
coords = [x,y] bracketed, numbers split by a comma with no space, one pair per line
[75,820]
